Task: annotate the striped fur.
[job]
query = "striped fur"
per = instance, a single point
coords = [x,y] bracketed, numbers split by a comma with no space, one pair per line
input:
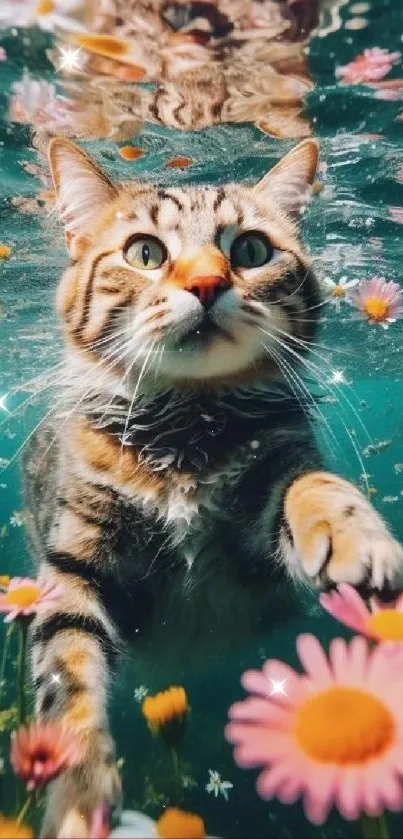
[178,483]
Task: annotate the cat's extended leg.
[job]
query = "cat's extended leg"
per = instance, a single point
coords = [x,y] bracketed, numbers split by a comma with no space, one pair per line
[74,643]
[332,534]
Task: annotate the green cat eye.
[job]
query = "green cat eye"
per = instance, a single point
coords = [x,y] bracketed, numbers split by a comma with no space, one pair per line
[145,252]
[251,250]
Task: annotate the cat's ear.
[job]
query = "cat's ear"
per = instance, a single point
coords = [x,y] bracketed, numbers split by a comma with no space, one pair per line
[288,184]
[82,189]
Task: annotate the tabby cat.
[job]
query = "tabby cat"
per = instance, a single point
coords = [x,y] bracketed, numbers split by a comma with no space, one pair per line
[180,480]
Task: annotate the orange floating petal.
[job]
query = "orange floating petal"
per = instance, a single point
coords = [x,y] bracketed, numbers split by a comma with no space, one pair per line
[111,47]
[130,152]
[179,163]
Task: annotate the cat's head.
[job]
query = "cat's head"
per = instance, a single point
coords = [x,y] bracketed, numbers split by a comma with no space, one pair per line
[194,284]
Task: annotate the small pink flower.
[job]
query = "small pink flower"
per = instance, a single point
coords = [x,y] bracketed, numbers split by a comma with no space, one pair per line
[100,828]
[378,301]
[383,623]
[371,66]
[41,751]
[25,597]
[396,214]
[333,735]
[3,54]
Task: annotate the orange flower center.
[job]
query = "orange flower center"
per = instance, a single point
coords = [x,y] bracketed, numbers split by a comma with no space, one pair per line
[4,580]
[344,726]
[22,597]
[176,824]
[165,706]
[338,291]
[376,308]
[387,624]
[44,7]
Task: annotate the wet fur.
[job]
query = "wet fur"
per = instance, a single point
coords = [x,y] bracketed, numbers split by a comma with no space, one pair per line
[177,504]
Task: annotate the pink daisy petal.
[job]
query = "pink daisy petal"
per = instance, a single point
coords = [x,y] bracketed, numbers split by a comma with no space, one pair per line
[373,797]
[271,780]
[255,682]
[320,793]
[277,744]
[278,672]
[347,606]
[314,660]
[259,711]
[350,795]
[357,656]
[385,663]
[256,753]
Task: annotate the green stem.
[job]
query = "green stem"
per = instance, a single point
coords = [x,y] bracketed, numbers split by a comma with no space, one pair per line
[177,774]
[374,827]
[21,671]
[23,812]
[6,647]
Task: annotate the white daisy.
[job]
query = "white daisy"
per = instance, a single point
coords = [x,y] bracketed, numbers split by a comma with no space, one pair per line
[217,786]
[140,693]
[17,519]
[338,291]
[47,14]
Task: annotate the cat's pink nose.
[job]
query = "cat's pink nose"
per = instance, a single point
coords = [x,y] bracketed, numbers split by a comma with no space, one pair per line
[207,288]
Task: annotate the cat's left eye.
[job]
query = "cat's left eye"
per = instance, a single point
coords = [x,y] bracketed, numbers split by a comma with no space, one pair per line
[145,252]
[251,250]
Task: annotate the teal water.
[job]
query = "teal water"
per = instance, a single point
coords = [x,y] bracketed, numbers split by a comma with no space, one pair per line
[351,232]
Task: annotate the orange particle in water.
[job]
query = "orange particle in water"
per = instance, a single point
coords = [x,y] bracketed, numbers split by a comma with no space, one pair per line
[179,163]
[5,251]
[130,152]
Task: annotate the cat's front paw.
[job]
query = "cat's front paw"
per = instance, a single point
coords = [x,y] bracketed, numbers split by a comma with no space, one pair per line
[334,535]
[73,798]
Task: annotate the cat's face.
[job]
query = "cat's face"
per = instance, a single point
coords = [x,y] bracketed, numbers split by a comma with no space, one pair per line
[189,284]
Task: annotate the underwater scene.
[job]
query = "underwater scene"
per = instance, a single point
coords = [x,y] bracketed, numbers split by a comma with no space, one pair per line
[201,572]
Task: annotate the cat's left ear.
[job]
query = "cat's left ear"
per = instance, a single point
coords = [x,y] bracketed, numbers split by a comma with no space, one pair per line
[288,184]
[82,191]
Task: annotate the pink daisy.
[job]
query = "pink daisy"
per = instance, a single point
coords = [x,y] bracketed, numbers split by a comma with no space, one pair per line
[25,597]
[378,300]
[371,66]
[384,622]
[41,751]
[333,735]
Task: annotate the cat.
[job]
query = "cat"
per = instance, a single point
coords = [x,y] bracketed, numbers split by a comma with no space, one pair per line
[179,485]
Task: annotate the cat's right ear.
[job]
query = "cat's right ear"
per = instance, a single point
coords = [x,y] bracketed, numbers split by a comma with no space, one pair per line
[82,190]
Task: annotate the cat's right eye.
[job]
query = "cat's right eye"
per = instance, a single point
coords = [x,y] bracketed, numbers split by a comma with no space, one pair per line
[145,252]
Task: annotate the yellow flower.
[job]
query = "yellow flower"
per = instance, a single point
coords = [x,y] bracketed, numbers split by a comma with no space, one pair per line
[165,706]
[10,829]
[166,713]
[4,580]
[177,824]
[44,7]
[5,251]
